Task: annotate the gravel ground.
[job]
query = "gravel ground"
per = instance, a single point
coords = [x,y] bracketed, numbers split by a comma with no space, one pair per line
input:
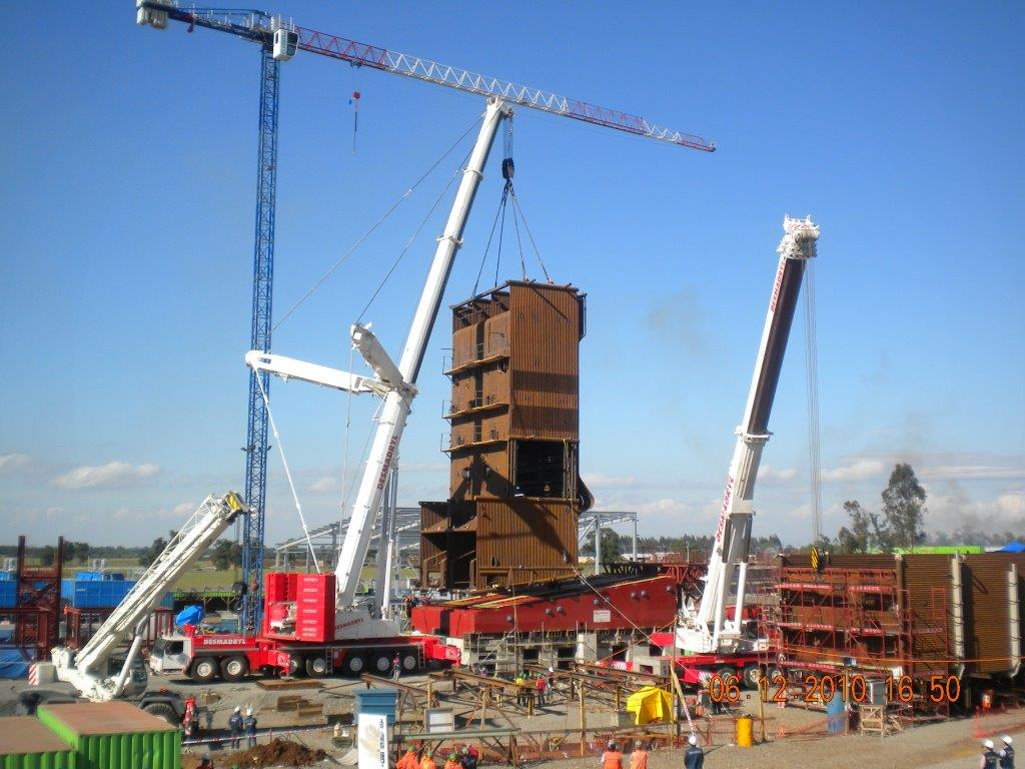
[949,745]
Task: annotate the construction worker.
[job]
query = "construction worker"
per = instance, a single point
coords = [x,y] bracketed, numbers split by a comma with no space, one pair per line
[396,667]
[611,758]
[409,761]
[693,757]
[989,759]
[639,757]
[249,725]
[520,695]
[235,728]
[205,762]
[453,761]
[542,685]
[1007,754]
[427,762]
[469,759]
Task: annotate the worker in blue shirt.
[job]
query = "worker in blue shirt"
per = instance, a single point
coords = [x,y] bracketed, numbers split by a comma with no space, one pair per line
[235,728]
[249,724]
[1007,753]
[694,757]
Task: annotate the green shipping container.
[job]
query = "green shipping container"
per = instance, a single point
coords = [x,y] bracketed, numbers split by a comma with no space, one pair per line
[27,744]
[114,735]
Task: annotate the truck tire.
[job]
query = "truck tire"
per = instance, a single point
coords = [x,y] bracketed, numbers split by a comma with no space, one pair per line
[750,676]
[316,667]
[234,668]
[354,665]
[164,711]
[410,662]
[203,669]
[380,664]
[726,673]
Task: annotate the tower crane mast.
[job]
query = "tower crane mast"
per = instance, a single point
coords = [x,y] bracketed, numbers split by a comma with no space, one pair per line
[280,40]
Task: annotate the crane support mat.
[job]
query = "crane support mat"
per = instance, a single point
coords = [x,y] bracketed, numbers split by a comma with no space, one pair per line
[284,684]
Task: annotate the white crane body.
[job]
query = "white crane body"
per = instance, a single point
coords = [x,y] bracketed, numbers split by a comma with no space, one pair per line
[87,668]
[706,629]
[397,384]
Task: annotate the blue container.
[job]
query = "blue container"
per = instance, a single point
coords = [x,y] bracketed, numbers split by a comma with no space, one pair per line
[378,702]
[6,576]
[98,576]
[97,594]
[8,593]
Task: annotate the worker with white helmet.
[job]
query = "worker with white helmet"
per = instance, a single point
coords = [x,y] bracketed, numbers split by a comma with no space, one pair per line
[235,728]
[1007,753]
[989,759]
[694,757]
[249,723]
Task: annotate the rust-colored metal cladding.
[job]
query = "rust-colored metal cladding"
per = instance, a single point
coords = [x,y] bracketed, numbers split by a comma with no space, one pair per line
[25,734]
[987,612]
[932,614]
[515,491]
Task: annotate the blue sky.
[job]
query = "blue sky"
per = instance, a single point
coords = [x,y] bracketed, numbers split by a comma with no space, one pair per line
[126,251]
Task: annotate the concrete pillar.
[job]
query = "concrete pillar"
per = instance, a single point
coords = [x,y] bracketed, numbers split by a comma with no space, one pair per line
[597,545]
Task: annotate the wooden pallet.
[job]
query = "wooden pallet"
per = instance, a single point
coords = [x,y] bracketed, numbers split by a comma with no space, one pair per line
[284,684]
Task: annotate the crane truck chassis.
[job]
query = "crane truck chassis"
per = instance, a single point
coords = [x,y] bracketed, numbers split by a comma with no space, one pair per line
[205,657]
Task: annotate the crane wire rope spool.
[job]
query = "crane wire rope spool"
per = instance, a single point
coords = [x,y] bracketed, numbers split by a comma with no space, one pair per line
[812,377]
[288,473]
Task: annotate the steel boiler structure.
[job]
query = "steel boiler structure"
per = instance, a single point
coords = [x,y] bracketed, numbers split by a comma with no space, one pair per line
[515,489]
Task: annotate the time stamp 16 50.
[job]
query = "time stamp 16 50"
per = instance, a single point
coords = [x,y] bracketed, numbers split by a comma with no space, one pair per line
[851,689]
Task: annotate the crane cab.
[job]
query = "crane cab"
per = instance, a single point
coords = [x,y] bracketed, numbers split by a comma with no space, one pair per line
[285,43]
[155,18]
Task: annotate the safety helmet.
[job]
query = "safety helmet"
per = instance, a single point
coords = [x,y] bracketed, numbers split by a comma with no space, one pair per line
[466,750]
[638,744]
[238,709]
[1007,739]
[693,740]
[987,744]
[249,711]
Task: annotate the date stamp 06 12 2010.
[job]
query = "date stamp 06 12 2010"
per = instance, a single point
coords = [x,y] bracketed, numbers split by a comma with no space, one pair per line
[852,689]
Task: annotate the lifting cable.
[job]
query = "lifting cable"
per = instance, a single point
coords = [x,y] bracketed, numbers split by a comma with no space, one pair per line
[459,169]
[359,242]
[288,473]
[509,192]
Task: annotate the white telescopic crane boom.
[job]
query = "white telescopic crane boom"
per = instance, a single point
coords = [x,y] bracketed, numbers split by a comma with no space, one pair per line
[86,669]
[396,383]
[396,407]
[707,630]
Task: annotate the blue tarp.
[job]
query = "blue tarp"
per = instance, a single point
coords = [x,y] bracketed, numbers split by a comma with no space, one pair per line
[190,615]
[13,662]
[1014,547]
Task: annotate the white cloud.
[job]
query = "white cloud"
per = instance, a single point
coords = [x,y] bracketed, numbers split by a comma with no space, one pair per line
[663,506]
[860,470]
[325,485]
[972,472]
[183,509]
[109,475]
[11,463]
[598,481]
[768,473]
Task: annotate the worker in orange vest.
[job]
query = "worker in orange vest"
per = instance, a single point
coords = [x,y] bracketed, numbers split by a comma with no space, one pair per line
[427,762]
[409,761]
[639,757]
[611,758]
[453,761]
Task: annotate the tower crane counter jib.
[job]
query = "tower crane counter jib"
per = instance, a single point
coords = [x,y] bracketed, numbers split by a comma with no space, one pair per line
[707,629]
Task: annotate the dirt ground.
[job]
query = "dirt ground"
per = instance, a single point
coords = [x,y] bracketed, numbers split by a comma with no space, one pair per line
[946,745]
